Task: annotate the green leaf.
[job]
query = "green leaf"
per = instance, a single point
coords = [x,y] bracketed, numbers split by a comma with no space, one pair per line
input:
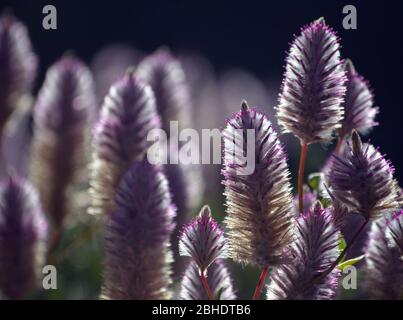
[326,202]
[342,246]
[219,293]
[314,180]
[350,262]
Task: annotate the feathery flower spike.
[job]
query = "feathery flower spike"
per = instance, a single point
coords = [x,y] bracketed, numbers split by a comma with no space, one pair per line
[120,138]
[203,240]
[259,204]
[138,253]
[219,280]
[315,248]
[18,65]
[359,110]
[166,76]
[362,179]
[23,233]
[60,135]
[312,90]
[384,267]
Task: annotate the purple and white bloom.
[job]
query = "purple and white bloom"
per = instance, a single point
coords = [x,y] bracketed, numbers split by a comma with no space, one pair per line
[259,204]
[384,266]
[359,109]
[120,137]
[310,102]
[203,240]
[219,280]
[60,134]
[18,65]
[138,254]
[314,251]
[23,235]
[362,179]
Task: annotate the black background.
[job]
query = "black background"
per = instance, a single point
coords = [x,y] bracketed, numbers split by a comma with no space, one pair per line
[247,34]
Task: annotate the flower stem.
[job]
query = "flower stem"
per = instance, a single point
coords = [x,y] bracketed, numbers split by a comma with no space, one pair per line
[343,253]
[339,143]
[301,169]
[206,285]
[259,286]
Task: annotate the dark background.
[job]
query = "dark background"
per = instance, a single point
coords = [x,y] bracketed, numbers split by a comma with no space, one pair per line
[247,34]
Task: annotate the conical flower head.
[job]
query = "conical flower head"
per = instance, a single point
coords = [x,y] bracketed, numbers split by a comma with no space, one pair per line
[314,250]
[18,65]
[257,190]
[219,280]
[203,240]
[166,76]
[23,233]
[60,134]
[120,137]
[138,253]
[359,110]
[313,85]
[362,179]
[384,267]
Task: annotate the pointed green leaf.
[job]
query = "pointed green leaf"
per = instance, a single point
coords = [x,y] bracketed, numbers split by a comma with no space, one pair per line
[350,262]
[314,180]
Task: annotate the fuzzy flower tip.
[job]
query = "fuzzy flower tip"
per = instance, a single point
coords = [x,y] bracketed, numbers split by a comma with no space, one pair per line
[138,253]
[362,179]
[359,110]
[23,232]
[120,137]
[313,86]
[314,250]
[60,132]
[384,267]
[259,202]
[166,76]
[18,65]
[203,240]
[219,280]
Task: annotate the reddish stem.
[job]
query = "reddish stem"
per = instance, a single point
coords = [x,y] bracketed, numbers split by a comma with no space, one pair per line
[260,283]
[206,286]
[301,169]
[339,143]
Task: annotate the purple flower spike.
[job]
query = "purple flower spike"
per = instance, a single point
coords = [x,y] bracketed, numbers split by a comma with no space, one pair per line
[359,110]
[23,232]
[203,240]
[362,179]
[166,76]
[219,280]
[18,65]
[313,86]
[60,135]
[259,203]
[138,253]
[315,249]
[120,137]
[384,276]
[309,198]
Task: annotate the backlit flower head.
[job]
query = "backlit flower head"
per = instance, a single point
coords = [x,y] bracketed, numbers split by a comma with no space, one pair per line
[362,179]
[219,280]
[120,137]
[314,250]
[259,203]
[23,234]
[138,253]
[18,65]
[313,86]
[384,267]
[203,240]
[60,135]
[359,110]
